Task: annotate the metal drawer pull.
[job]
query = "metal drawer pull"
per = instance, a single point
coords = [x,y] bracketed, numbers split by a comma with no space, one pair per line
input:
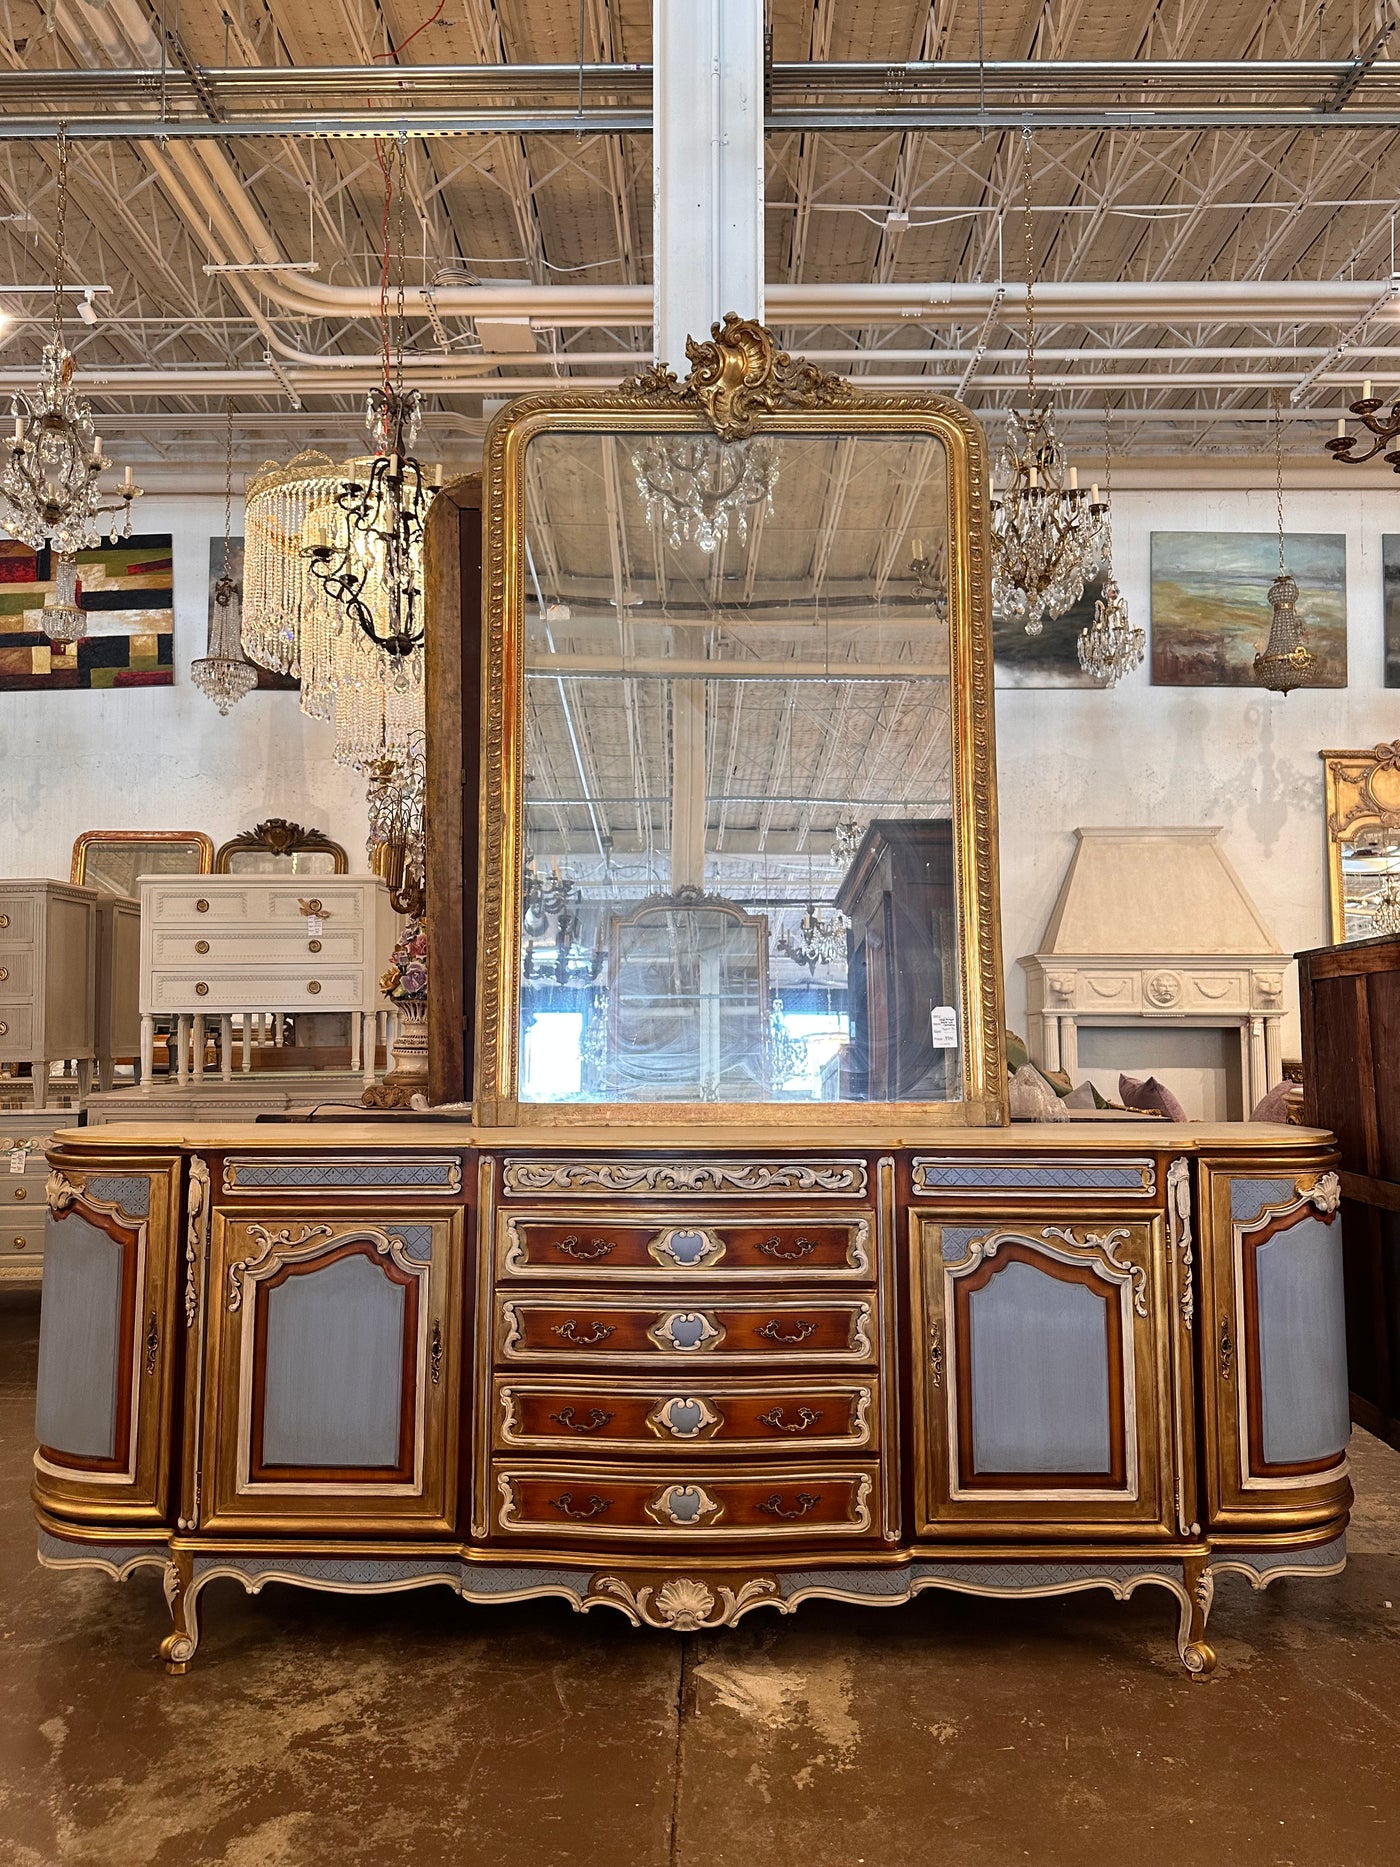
[201,990]
[801,1248]
[19,1242]
[201,906]
[313,906]
[594,1507]
[806,1416]
[772,1331]
[313,946]
[596,1418]
[574,1247]
[4,974]
[804,1502]
[313,986]
[201,946]
[568,1332]
[4,920]
[4,1028]
[21,1192]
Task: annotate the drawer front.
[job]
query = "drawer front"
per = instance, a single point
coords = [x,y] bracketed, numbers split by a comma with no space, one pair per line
[542,1176]
[21,1242]
[604,1505]
[16,1030]
[966,1178]
[259,946]
[16,919]
[340,908]
[16,973]
[314,988]
[558,1328]
[603,1246]
[196,905]
[757,1417]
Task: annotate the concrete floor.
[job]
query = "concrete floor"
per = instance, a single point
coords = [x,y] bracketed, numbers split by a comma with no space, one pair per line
[412,1731]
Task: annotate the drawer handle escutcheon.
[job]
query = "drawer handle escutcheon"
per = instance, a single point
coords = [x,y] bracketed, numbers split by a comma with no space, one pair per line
[772,1331]
[1227,1352]
[935,1354]
[201,989]
[801,1248]
[802,1504]
[574,1247]
[568,1332]
[435,1353]
[806,1416]
[596,1419]
[201,946]
[201,906]
[313,986]
[594,1507]
[152,1344]
[313,946]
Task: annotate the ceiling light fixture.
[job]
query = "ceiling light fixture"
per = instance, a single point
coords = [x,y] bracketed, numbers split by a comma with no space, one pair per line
[1111,646]
[224,675]
[87,311]
[1048,537]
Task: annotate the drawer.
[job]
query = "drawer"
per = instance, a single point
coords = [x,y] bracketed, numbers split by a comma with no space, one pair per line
[22,1189]
[340,908]
[16,973]
[602,1246]
[283,990]
[966,1178]
[16,919]
[266,946]
[606,1329]
[21,1240]
[16,1030]
[764,1417]
[551,1176]
[604,1504]
[197,905]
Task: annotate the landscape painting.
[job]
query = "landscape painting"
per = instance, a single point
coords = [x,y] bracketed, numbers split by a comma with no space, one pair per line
[1050,659]
[1210,604]
[126,592]
[1390,587]
[267,679]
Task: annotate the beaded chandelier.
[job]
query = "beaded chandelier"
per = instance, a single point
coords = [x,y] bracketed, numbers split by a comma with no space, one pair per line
[224,675]
[1286,661]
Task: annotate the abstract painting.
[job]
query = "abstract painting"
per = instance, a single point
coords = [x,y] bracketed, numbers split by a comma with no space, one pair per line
[267,680]
[1390,587]
[125,590]
[1210,604]
[1050,659]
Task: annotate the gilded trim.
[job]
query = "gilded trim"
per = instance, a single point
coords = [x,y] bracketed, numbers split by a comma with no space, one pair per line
[684,1176]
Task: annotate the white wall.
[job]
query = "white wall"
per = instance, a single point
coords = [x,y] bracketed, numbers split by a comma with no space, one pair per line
[1238,757]
[162,758]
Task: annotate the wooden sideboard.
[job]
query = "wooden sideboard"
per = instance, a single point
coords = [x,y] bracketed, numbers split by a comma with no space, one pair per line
[219,945]
[689,1376]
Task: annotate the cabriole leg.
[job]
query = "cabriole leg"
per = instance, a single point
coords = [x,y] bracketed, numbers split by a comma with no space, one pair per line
[178,1648]
[1196,1656]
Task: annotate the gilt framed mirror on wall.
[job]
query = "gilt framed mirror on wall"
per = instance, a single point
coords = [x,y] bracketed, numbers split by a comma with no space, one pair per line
[1363,841]
[729,624]
[112,860]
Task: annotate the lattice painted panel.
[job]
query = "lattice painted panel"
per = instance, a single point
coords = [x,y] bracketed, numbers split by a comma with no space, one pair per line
[129,1191]
[1129,1176]
[443,1175]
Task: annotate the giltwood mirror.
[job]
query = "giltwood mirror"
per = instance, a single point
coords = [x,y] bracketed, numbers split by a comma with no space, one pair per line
[1363,841]
[277,847]
[111,860]
[732,624]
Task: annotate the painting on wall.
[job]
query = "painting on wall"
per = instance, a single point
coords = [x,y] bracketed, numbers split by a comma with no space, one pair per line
[125,590]
[268,681]
[1210,604]
[1050,659]
[1390,587]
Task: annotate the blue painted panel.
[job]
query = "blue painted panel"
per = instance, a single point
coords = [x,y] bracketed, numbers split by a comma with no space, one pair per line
[130,1191]
[335,1348]
[932,1176]
[1040,1387]
[1302,1343]
[1248,1198]
[80,1342]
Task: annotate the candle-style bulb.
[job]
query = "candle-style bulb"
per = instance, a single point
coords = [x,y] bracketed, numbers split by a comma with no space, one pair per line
[1074,479]
[1094,493]
[1366,390]
[1341,427]
[918,548]
[127,480]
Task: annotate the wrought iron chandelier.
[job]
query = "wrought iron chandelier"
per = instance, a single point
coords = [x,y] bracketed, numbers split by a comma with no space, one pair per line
[50,482]
[1286,661]
[1048,537]
[695,486]
[372,564]
[819,940]
[1382,430]
[1111,646]
[224,675]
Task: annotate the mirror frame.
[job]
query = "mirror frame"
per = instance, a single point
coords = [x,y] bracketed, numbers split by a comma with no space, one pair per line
[277,837]
[197,838]
[740,383]
[1352,804]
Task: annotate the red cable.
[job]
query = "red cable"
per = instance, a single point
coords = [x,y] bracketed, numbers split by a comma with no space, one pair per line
[394,50]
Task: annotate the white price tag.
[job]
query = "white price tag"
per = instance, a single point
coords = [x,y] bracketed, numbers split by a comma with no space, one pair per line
[944,1020]
[17,1155]
[314,926]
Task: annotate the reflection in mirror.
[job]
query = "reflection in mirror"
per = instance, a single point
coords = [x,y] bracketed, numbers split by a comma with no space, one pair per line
[112,860]
[738,856]
[1371,884]
[1363,841]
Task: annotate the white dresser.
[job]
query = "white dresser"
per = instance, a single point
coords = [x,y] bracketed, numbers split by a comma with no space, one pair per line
[24,1135]
[220,945]
[48,977]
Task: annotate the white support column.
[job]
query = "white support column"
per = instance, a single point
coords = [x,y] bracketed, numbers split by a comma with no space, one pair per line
[687,784]
[707,154]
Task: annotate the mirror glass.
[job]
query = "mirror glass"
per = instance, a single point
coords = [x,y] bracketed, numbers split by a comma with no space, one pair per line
[269,862]
[1370,864]
[113,863]
[738,880]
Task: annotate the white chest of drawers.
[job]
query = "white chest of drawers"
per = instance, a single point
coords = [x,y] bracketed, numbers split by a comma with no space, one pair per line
[213,945]
[48,980]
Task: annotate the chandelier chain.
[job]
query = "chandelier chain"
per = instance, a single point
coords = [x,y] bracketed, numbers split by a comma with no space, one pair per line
[60,234]
[1278,479]
[1029,236]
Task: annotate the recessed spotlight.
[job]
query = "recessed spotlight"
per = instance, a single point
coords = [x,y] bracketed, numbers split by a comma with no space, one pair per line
[87,311]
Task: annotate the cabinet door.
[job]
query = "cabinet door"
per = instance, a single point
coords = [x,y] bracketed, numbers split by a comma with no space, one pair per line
[106,1340]
[1276,1404]
[1043,1378]
[331,1397]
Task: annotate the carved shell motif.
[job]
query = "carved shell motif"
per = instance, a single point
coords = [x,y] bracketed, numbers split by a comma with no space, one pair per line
[684,1604]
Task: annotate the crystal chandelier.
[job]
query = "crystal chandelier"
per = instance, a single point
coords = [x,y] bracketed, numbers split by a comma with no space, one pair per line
[372,563]
[224,675]
[1384,906]
[550,922]
[49,484]
[1111,646]
[695,486]
[1286,661]
[397,785]
[1048,537]
[63,619]
[819,940]
[930,576]
[845,842]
